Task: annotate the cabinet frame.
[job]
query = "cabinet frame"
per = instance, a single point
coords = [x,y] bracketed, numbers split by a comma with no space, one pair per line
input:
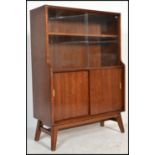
[43,76]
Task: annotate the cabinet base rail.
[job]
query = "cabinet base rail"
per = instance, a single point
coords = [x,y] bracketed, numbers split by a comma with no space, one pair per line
[114,116]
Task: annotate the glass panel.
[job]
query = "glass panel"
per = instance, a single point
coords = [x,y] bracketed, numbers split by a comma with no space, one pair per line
[102,24]
[68,40]
[103,49]
[103,52]
[69,52]
[68,23]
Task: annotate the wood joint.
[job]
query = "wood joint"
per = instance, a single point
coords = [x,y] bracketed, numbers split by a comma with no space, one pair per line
[47,131]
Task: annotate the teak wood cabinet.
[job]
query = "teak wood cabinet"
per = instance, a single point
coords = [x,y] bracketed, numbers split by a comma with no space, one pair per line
[78,75]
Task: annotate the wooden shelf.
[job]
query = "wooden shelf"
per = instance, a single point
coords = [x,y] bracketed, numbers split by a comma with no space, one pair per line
[86,68]
[83,35]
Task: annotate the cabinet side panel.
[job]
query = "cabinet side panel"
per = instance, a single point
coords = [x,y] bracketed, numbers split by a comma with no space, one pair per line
[40,69]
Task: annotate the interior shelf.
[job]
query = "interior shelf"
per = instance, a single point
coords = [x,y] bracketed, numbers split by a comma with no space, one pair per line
[90,42]
[86,68]
[83,35]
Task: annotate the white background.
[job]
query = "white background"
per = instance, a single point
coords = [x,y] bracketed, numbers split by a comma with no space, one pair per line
[13,77]
[121,7]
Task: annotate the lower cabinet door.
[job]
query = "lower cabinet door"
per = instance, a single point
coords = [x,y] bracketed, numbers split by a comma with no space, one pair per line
[71,95]
[106,90]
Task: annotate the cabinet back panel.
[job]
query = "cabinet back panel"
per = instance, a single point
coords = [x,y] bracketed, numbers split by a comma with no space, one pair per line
[84,24]
[72,56]
[71,95]
[69,56]
[95,56]
[67,27]
[103,55]
[102,24]
[75,24]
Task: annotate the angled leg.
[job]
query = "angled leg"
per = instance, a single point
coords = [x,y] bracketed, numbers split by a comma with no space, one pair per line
[102,123]
[120,123]
[38,130]
[54,132]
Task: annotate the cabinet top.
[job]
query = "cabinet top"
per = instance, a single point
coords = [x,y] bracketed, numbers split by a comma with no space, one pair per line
[51,7]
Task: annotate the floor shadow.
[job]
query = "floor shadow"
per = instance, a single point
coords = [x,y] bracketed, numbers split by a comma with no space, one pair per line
[45,145]
[112,128]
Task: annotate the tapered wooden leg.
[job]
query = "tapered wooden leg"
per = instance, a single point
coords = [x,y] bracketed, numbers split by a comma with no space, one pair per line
[54,132]
[102,123]
[38,130]
[120,123]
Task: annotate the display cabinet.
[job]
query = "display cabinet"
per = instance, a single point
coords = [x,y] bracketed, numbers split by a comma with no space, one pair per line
[78,75]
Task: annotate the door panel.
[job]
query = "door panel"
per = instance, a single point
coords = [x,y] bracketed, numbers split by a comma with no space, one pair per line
[71,95]
[106,90]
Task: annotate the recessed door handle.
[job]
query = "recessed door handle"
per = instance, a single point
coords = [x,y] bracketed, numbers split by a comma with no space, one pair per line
[120,85]
[53,92]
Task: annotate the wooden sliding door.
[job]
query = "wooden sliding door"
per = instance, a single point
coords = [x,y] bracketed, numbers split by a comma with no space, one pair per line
[106,90]
[71,95]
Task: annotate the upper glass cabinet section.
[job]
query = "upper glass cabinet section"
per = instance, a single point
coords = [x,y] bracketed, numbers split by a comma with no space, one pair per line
[82,23]
[82,40]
